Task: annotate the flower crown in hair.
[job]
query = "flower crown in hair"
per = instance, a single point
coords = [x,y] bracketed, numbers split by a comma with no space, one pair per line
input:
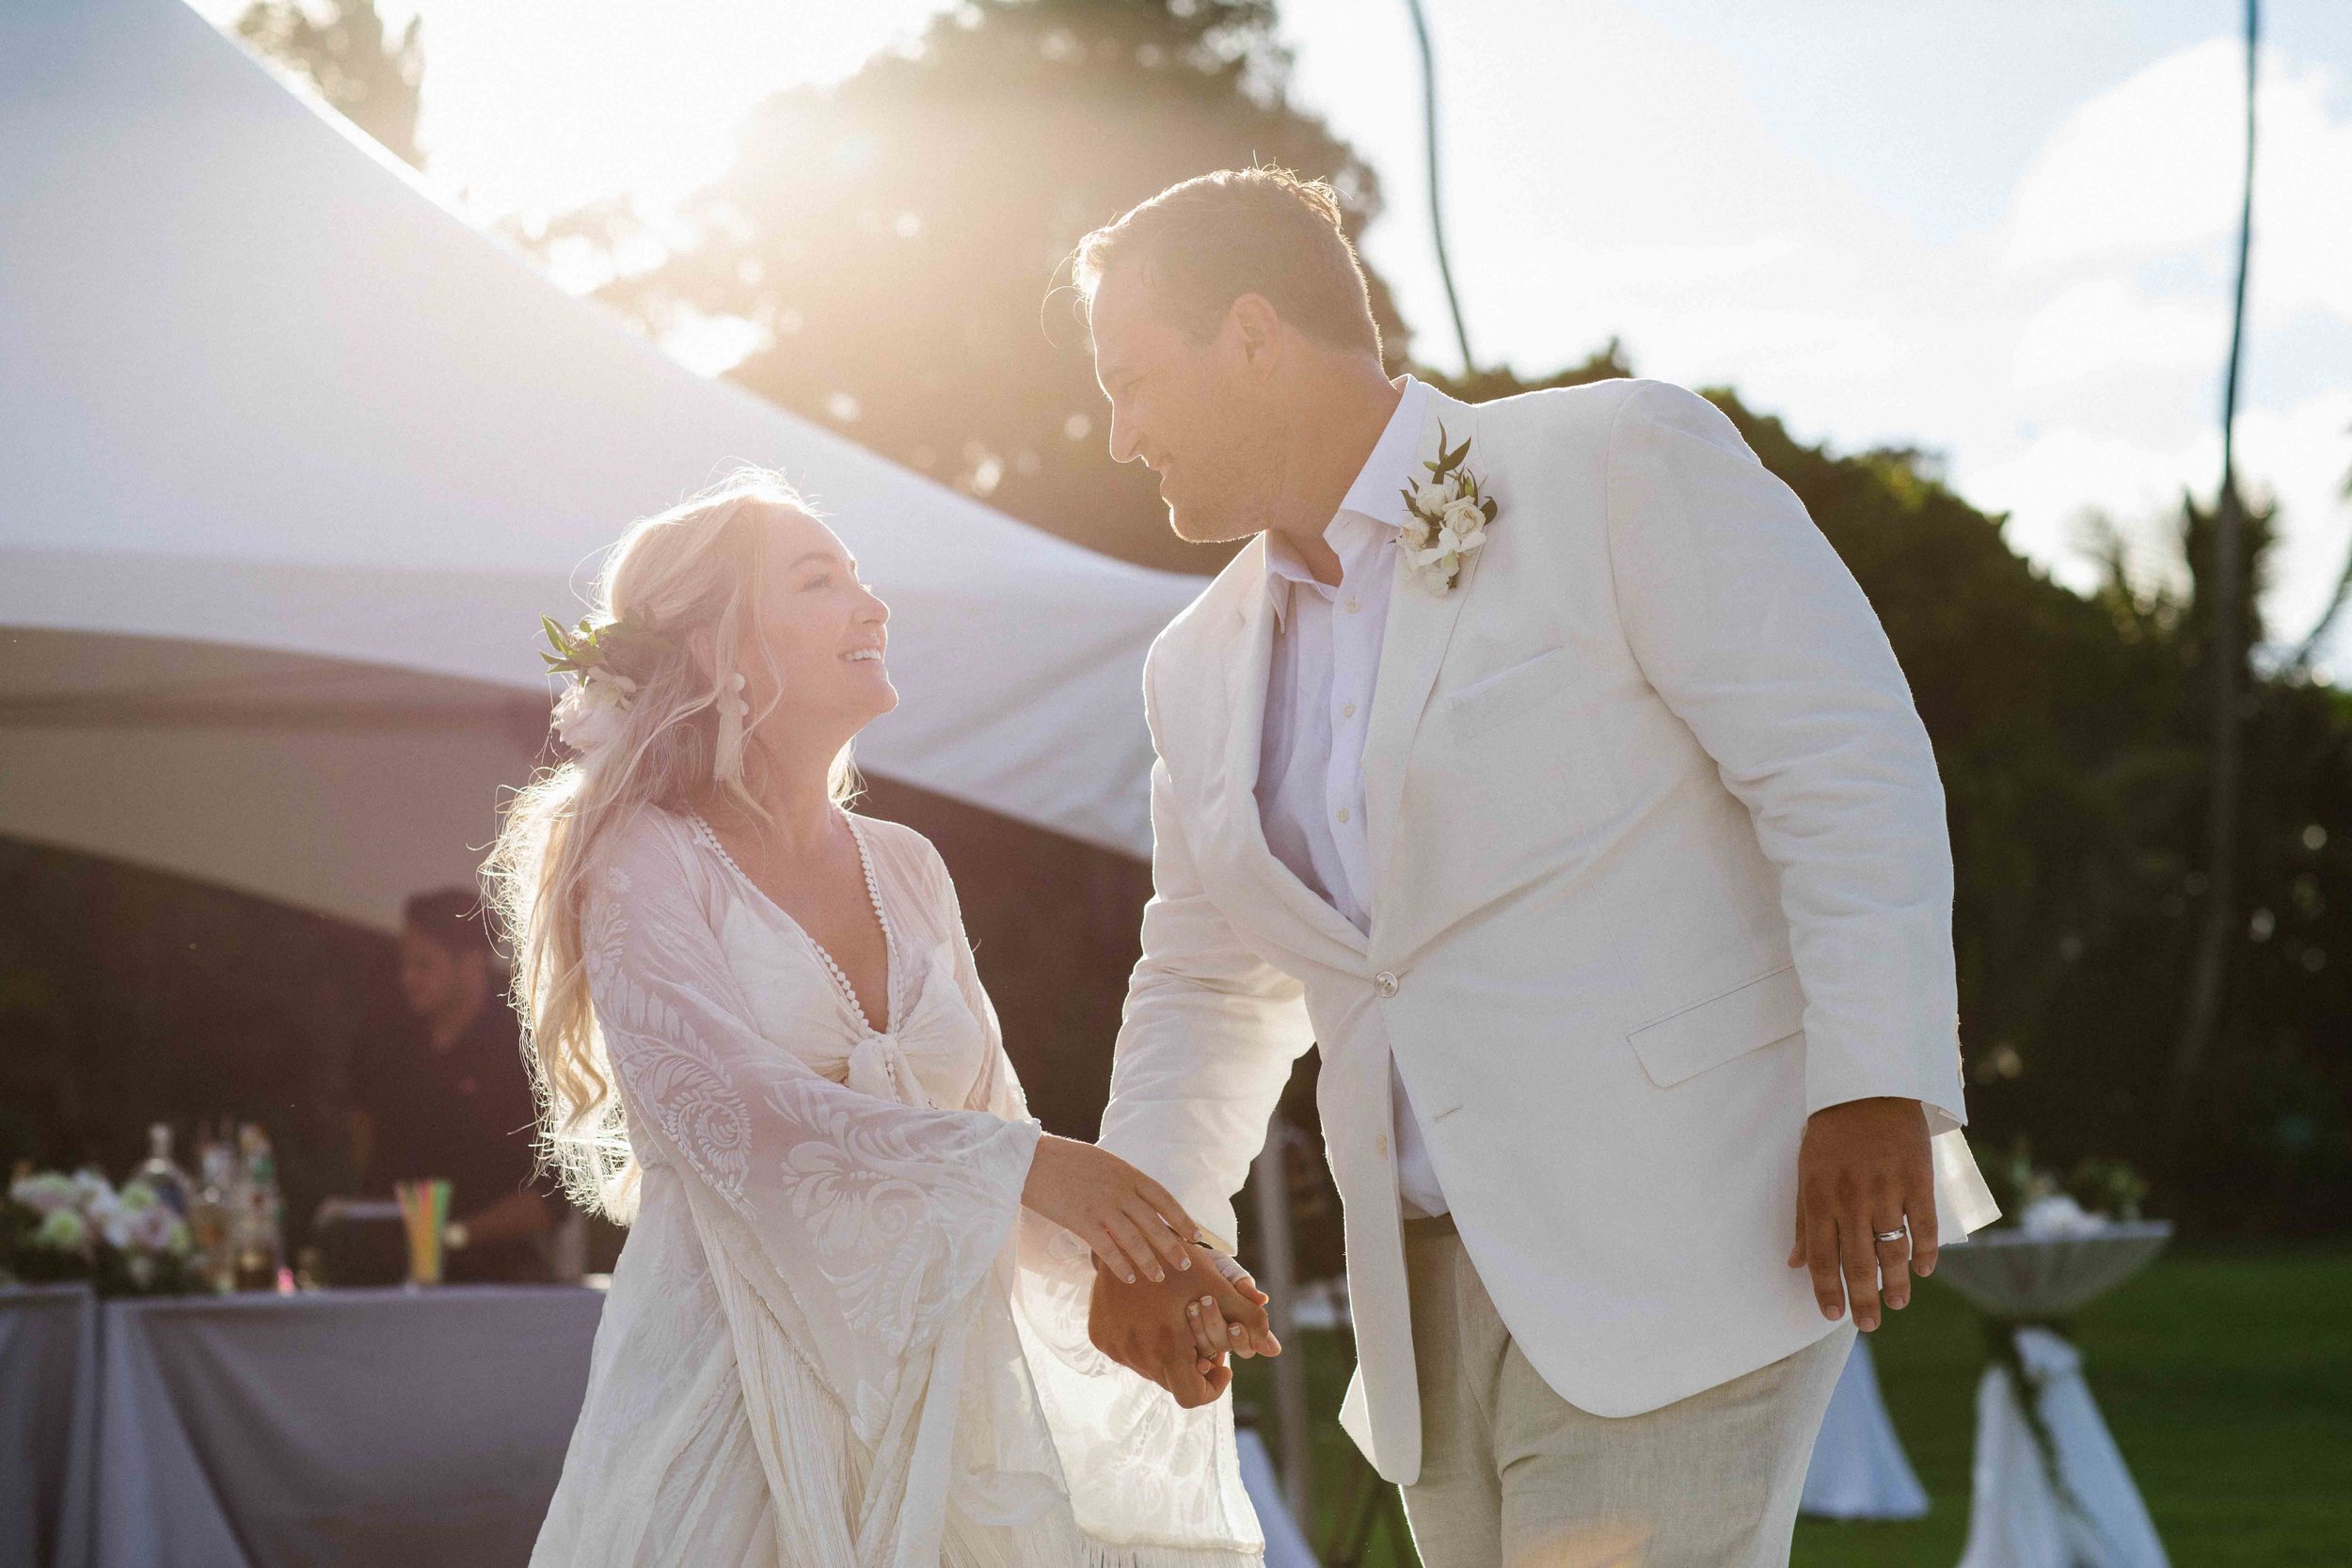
[599,660]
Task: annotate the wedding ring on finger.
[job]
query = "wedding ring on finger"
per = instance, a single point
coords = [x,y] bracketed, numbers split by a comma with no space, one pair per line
[1895,1235]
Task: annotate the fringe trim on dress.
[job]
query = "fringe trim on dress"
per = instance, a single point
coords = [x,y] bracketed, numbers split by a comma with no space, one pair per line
[1103,1555]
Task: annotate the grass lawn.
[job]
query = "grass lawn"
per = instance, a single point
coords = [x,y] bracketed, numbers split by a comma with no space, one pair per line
[2226,1376]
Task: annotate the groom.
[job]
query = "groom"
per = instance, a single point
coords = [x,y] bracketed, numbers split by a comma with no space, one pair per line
[1541,761]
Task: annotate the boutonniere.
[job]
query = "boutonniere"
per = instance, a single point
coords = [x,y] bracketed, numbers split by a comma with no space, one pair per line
[1446,517]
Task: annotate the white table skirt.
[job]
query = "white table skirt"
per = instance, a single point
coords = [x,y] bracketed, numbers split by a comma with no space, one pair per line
[2021,1520]
[2073,1506]
[1859,1470]
[48,1381]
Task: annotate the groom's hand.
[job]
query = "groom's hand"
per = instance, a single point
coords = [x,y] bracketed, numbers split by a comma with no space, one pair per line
[1143,1327]
[1863,1172]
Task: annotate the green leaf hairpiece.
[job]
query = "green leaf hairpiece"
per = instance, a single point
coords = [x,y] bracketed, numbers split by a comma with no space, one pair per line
[628,646]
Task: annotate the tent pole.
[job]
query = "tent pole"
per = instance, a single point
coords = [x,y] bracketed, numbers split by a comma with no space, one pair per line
[1271,1179]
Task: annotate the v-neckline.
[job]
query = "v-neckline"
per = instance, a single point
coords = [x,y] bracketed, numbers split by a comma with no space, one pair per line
[845,991]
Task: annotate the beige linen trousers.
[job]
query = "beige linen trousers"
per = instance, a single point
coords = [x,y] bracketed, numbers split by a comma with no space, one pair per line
[1513,1475]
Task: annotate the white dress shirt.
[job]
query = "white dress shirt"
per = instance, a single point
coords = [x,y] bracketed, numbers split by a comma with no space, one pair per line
[1319,687]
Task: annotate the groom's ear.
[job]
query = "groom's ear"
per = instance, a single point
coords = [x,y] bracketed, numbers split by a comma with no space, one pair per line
[1253,330]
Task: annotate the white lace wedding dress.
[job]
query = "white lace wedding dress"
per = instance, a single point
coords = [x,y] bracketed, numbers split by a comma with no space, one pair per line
[834,1340]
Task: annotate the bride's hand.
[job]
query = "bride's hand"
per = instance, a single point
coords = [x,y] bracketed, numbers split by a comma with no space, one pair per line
[1130,1220]
[1214,1336]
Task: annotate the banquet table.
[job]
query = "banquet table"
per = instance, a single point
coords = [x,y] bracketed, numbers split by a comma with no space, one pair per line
[2061,1497]
[356,1428]
[360,1428]
[48,1376]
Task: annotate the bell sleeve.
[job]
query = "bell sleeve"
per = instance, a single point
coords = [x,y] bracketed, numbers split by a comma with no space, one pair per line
[1148,1481]
[861,1228]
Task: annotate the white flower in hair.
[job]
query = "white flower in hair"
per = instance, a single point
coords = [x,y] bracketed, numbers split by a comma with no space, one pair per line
[594,708]
[592,711]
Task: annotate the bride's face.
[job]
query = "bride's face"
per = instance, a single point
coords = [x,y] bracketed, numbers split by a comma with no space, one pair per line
[826,634]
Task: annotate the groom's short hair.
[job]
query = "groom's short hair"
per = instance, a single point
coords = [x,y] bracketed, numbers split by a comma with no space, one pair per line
[1204,242]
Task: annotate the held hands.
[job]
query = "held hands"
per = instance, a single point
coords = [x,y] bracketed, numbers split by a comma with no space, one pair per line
[1214,1337]
[1146,1327]
[1864,1173]
[1151,1312]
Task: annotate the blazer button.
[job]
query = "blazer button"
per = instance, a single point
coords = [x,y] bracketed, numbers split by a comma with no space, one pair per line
[1385,983]
[1381,1143]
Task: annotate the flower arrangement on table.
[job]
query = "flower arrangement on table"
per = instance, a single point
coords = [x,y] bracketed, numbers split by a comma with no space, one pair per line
[56,1228]
[2094,1194]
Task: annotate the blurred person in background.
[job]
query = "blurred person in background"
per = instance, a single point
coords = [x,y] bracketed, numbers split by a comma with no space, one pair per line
[450,1096]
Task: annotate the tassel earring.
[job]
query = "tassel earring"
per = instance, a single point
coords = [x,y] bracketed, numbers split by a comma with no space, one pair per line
[726,761]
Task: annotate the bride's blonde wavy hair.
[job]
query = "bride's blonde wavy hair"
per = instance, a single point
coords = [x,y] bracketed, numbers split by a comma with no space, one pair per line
[696,567]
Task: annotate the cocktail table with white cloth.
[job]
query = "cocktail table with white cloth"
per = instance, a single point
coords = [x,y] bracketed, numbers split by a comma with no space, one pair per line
[2059,1497]
[48,1375]
[1859,1470]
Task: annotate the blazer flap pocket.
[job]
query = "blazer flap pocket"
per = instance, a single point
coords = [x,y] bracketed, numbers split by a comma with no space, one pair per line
[1708,1033]
[1507,693]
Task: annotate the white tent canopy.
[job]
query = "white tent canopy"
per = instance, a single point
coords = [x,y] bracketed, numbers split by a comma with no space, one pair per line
[292,460]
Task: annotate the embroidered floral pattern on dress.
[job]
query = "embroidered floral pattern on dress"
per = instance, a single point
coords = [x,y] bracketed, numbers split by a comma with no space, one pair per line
[833,1337]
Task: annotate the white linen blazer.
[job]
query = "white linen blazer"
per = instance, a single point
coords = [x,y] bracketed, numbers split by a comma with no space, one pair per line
[1660,867]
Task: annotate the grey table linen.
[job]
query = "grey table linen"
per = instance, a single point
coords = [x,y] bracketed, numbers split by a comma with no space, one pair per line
[362,1428]
[350,1427]
[47,1384]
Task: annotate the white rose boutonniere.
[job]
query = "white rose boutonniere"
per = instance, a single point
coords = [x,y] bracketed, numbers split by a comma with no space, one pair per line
[1446,517]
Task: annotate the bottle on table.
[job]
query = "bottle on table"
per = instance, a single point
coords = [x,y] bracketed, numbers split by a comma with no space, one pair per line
[212,1211]
[163,1175]
[259,1218]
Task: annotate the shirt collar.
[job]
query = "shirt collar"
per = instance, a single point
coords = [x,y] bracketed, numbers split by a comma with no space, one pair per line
[1374,507]
[1378,492]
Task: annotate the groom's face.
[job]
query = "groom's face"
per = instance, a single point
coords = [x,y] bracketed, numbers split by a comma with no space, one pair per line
[1201,415]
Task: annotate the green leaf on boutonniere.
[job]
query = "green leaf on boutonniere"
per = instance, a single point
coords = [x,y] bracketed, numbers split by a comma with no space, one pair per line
[1448,459]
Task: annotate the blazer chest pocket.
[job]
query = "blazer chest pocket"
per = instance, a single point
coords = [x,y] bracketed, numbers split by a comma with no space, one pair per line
[1708,1034]
[1506,694]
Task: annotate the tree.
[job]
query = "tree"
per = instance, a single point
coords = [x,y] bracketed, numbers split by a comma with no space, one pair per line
[373,80]
[2208,973]
[889,240]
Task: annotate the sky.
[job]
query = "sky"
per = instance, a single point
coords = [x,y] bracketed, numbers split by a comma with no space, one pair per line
[2003,233]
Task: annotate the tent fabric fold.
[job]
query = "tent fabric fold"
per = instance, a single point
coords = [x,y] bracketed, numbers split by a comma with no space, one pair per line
[262,393]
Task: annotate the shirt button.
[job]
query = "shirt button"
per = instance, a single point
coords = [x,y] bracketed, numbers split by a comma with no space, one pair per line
[1342,814]
[1381,1143]
[1385,983]
[1348,711]
[1352,605]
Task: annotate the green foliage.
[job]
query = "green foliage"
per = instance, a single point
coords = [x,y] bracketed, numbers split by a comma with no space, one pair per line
[893,238]
[621,647]
[373,80]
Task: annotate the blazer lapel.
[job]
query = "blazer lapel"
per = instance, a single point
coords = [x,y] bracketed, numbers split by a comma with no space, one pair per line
[1421,624]
[1232,790]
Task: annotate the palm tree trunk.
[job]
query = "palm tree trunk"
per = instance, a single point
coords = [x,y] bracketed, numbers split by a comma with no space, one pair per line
[1436,207]
[2219,936]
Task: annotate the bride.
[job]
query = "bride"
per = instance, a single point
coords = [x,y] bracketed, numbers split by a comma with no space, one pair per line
[849,1326]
